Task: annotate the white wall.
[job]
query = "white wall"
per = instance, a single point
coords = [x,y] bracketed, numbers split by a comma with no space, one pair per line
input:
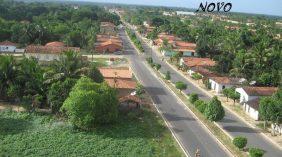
[244,97]
[5,48]
[218,87]
[251,112]
[43,57]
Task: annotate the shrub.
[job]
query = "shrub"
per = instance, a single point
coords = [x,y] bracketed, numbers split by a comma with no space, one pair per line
[256,152]
[139,89]
[180,85]
[158,66]
[58,93]
[193,97]
[91,104]
[240,142]
[200,105]
[196,76]
[214,110]
[167,75]
[150,60]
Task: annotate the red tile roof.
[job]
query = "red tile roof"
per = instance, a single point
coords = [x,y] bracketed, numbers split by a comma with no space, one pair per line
[116,73]
[55,44]
[130,98]
[260,91]
[192,62]
[49,49]
[121,83]
[227,80]
[204,72]
[185,44]
[8,43]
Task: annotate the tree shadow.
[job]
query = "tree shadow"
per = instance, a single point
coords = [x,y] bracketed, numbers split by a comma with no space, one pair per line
[10,126]
[172,117]
[239,129]
[227,120]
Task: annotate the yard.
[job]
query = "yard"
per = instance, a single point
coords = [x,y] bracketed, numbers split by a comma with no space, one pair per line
[37,134]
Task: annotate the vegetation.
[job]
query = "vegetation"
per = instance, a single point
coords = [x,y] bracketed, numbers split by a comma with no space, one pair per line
[135,40]
[158,66]
[139,89]
[196,76]
[256,152]
[231,93]
[90,104]
[193,97]
[24,134]
[40,23]
[180,85]
[200,105]
[214,110]
[240,142]
[167,75]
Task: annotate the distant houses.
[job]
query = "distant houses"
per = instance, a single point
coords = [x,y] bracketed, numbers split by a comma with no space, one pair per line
[7,46]
[250,96]
[108,41]
[51,51]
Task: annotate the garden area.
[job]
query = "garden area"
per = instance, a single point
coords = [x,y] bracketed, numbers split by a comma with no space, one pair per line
[25,134]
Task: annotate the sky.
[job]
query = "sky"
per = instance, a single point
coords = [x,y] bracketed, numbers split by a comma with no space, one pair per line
[269,7]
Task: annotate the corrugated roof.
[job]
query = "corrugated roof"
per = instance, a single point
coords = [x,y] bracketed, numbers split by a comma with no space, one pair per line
[193,61]
[116,73]
[260,91]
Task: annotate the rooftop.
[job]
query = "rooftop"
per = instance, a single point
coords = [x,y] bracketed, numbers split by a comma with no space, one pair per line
[192,62]
[227,80]
[116,73]
[121,83]
[55,44]
[260,91]
[8,43]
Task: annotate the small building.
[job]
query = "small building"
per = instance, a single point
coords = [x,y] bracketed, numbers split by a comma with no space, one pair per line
[109,46]
[7,46]
[196,62]
[250,96]
[108,28]
[119,78]
[51,51]
[129,102]
[220,83]
[205,73]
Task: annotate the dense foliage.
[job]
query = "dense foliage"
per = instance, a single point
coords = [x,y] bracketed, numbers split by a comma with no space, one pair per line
[39,23]
[90,104]
[200,105]
[240,142]
[214,110]
[256,152]
[180,85]
[193,97]
[135,40]
[252,52]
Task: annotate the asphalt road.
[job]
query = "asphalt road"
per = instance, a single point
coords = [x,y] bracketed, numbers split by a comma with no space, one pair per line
[188,130]
[231,123]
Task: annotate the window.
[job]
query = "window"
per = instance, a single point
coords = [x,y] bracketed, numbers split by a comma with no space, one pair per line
[223,87]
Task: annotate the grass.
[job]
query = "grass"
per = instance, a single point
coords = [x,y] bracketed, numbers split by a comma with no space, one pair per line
[100,62]
[24,134]
[219,134]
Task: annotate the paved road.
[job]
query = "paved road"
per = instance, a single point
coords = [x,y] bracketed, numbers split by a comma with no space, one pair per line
[188,130]
[231,123]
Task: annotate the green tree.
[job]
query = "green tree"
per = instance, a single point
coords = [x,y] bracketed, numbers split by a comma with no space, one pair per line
[180,85]
[90,104]
[226,92]
[167,75]
[158,66]
[266,104]
[240,142]
[256,152]
[58,93]
[200,105]
[139,89]
[214,110]
[193,97]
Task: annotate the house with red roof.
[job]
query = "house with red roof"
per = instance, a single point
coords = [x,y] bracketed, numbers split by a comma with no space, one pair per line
[119,78]
[7,46]
[250,96]
[51,51]
[220,83]
[109,46]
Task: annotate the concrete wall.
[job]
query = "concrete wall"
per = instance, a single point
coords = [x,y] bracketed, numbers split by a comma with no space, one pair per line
[43,57]
[5,48]
[218,87]
[253,113]
[244,97]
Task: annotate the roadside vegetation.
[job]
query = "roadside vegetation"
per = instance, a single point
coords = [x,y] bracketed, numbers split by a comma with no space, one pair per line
[135,40]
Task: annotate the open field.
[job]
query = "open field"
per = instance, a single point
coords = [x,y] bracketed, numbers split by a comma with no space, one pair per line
[23,134]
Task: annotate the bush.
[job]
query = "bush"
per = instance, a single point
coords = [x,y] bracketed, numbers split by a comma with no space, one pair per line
[149,60]
[193,97]
[58,93]
[91,104]
[240,142]
[214,110]
[139,89]
[256,152]
[196,76]
[180,85]
[158,66]
[200,105]
[167,75]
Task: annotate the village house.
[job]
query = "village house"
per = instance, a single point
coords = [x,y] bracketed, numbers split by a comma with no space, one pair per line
[108,44]
[7,46]
[220,83]
[108,28]
[197,65]
[51,51]
[119,78]
[249,98]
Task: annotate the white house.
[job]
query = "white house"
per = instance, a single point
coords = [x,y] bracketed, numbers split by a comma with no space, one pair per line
[7,46]
[51,51]
[220,83]
[249,98]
